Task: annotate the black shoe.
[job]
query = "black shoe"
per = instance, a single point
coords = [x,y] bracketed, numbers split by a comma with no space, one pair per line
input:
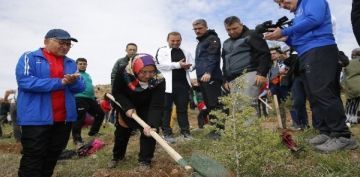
[144,166]
[112,163]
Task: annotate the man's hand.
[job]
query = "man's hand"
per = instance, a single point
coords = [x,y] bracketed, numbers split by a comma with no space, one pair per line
[226,86]
[260,80]
[130,112]
[205,78]
[184,65]
[275,35]
[194,82]
[70,78]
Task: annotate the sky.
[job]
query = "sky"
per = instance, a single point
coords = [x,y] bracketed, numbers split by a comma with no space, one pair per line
[104,27]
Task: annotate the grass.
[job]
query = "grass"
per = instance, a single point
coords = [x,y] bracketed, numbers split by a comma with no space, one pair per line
[270,159]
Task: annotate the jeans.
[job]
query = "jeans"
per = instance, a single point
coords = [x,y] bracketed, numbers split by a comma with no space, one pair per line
[298,110]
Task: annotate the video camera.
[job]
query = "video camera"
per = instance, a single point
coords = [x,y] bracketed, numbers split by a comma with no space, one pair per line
[265,27]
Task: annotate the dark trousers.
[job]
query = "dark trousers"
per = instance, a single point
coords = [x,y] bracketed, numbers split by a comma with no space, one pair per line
[122,136]
[262,107]
[42,146]
[298,111]
[180,97]
[2,119]
[16,127]
[87,105]
[318,70]
[211,92]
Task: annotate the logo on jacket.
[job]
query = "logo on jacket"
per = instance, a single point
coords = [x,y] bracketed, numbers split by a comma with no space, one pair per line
[299,12]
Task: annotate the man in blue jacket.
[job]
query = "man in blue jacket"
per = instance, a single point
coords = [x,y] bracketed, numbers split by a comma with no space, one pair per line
[207,65]
[312,37]
[47,81]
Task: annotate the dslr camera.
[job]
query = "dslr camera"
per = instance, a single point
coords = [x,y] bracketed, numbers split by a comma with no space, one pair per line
[266,26]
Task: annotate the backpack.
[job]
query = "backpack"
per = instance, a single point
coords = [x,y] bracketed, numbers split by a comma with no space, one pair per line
[90,148]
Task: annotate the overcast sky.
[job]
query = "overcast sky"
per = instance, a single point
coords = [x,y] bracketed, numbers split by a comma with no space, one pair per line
[104,27]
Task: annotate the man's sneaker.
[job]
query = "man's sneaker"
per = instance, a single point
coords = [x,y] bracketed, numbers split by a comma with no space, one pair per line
[319,139]
[79,144]
[186,136]
[339,143]
[144,166]
[169,139]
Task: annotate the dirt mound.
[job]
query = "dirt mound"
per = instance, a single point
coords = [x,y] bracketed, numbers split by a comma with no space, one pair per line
[13,148]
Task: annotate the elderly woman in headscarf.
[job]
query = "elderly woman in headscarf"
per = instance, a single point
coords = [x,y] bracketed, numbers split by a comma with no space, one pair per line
[139,88]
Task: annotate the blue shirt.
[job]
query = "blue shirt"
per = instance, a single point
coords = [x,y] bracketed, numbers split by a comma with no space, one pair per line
[311,26]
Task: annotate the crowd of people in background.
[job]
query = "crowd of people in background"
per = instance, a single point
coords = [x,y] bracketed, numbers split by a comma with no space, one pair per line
[55,93]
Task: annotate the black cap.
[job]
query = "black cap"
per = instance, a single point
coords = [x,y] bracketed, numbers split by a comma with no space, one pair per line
[59,34]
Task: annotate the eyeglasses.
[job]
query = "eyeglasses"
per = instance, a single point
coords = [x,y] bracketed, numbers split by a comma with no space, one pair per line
[152,72]
[65,43]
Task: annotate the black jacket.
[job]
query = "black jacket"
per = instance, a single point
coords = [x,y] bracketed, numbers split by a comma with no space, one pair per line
[355,19]
[149,104]
[259,51]
[207,55]
[118,64]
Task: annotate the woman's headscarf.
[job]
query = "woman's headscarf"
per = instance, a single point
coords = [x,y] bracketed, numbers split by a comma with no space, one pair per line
[133,68]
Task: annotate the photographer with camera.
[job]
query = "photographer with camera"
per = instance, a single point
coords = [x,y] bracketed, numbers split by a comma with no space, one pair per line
[267,26]
[311,35]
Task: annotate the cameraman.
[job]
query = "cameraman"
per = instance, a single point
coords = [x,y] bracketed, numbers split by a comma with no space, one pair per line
[312,37]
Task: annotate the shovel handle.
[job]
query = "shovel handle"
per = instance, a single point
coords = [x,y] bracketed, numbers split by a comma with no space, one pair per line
[266,104]
[278,112]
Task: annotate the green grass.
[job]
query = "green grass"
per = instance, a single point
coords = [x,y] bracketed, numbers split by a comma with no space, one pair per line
[268,158]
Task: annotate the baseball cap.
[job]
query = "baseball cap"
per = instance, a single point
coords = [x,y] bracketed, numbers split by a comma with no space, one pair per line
[59,34]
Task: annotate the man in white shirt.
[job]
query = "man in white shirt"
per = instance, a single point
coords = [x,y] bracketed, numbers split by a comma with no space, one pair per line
[175,64]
